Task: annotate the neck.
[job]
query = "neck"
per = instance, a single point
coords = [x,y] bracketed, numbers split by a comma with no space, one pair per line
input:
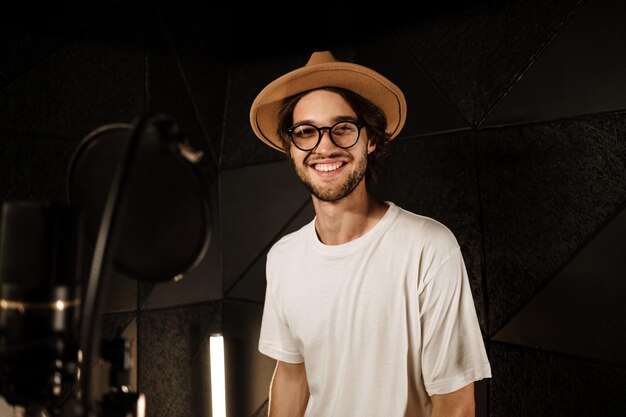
[339,222]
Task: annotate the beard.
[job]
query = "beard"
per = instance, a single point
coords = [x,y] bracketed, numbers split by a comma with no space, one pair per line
[336,192]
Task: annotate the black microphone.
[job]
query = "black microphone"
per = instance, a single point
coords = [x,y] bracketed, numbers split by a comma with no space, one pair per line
[40,253]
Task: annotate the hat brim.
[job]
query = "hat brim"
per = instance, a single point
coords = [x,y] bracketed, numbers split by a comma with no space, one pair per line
[357,78]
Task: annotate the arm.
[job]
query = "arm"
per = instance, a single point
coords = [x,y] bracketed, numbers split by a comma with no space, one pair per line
[459,403]
[289,390]
[454,353]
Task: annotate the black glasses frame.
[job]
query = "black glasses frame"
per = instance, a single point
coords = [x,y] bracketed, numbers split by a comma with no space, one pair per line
[320,130]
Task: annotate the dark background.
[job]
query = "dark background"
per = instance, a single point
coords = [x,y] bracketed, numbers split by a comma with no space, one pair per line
[515,139]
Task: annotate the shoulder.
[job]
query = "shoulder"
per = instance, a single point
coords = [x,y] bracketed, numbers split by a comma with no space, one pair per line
[430,232]
[287,255]
[291,242]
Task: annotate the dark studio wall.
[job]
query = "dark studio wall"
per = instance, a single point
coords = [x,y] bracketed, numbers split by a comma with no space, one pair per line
[515,140]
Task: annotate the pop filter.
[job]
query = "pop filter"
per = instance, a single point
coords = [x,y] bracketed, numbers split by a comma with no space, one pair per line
[164,215]
[145,211]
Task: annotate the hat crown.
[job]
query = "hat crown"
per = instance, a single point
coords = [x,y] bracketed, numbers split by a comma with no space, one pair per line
[322,57]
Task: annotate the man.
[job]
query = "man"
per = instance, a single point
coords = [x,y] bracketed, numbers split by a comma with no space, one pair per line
[368,308]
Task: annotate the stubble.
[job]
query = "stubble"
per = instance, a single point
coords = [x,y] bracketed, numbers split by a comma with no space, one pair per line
[334,192]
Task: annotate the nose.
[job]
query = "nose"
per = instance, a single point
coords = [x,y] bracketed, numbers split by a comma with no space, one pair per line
[325,142]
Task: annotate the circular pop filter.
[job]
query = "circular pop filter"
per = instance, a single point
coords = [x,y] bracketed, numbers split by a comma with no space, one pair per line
[163,208]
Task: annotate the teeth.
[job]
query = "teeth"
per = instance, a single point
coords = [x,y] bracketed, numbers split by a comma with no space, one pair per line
[328,167]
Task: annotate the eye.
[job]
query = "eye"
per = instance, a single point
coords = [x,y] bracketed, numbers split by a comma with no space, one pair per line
[304,131]
[344,128]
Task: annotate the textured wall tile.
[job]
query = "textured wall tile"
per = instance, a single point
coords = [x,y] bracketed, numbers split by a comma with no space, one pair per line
[476,51]
[251,286]
[533,383]
[27,38]
[428,110]
[545,189]
[173,359]
[23,49]
[34,167]
[247,79]
[447,45]
[99,79]
[580,72]
[256,204]
[554,320]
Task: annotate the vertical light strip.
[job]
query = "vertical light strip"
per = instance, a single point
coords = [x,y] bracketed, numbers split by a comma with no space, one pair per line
[141,405]
[218,376]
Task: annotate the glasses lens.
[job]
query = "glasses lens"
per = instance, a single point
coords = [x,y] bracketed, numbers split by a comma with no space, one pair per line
[345,134]
[304,136]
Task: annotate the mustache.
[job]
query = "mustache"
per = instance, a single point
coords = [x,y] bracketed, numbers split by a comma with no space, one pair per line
[311,158]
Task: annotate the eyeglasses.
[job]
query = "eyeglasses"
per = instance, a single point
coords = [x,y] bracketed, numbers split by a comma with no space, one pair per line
[344,134]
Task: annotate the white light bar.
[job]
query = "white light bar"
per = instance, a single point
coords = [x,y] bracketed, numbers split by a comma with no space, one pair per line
[218,376]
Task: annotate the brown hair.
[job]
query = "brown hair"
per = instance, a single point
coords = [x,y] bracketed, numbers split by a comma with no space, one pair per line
[367,113]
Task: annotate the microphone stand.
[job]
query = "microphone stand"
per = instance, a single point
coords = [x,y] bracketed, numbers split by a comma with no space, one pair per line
[102,260]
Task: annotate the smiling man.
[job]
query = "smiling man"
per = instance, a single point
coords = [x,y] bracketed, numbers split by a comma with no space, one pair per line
[368,309]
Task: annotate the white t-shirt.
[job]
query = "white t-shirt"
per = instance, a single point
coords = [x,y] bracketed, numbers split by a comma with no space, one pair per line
[381,322]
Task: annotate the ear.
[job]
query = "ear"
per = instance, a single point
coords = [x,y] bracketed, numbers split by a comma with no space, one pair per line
[288,154]
[370,146]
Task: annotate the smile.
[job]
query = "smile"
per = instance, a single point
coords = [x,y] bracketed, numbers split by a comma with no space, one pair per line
[328,167]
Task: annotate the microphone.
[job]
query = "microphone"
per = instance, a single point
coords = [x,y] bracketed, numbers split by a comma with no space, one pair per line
[40,252]
[139,202]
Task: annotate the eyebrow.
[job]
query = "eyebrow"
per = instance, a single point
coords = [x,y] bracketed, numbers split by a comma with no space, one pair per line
[333,120]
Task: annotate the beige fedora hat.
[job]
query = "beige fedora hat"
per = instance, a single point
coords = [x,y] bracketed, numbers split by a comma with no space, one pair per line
[323,70]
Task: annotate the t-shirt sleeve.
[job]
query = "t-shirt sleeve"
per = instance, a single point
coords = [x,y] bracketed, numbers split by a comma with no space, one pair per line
[276,340]
[453,351]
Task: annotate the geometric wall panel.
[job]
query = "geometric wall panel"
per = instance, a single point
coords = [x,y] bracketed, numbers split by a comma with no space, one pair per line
[34,168]
[580,72]
[475,51]
[428,110]
[97,79]
[545,189]
[22,49]
[529,382]
[582,311]
[246,79]
[256,204]
[28,38]
[251,286]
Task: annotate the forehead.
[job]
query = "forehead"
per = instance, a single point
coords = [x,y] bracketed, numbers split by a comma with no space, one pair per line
[321,105]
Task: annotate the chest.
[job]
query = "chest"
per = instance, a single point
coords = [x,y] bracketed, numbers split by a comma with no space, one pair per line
[350,299]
